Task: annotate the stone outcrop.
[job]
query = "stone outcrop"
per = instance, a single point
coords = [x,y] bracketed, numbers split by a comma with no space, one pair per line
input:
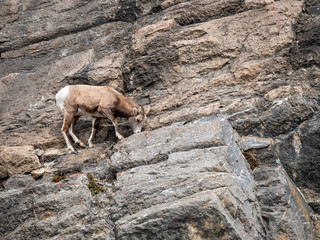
[17,160]
[252,63]
[48,210]
[163,184]
[177,202]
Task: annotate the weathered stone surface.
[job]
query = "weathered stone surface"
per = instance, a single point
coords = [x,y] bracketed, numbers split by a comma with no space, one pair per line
[47,210]
[52,154]
[208,62]
[62,162]
[299,152]
[283,116]
[206,192]
[145,148]
[255,62]
[183,181]
[40,172]
[248,143]
[182,69]
[285,212]
[18,181]
[16,160]
[50,20]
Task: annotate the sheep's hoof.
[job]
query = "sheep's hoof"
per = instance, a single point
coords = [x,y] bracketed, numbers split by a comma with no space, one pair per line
[91,145]
[72,151]
[75,152]
[119,136]
[81,144]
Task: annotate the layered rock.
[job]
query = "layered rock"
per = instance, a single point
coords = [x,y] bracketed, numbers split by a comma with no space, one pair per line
[48,210]
[187,187]
[254,62]
[168,186]
[186,59]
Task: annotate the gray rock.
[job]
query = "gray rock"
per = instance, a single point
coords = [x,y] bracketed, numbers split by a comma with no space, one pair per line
[206,192]
[47,210]
[146,148]
[201,186]
[255,62]
[285,211]
[248,143]
[299,152]
[52,154]
[18,181]
[40,172]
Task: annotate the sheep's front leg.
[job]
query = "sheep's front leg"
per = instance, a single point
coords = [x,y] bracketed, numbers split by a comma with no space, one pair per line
[115,124]
[114,121]
[93,132]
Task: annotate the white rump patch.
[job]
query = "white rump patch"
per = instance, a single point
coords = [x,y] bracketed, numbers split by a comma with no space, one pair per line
[61,96]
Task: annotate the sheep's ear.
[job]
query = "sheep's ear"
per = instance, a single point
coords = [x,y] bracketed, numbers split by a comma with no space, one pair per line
[135,111]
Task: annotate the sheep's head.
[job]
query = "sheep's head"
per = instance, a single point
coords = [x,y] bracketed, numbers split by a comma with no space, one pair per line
[138,119]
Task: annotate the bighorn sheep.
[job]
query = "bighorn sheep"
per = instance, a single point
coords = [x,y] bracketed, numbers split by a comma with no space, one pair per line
[96,102]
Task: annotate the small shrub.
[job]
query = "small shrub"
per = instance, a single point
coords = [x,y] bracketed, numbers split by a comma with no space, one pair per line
[94,187]
[58,178]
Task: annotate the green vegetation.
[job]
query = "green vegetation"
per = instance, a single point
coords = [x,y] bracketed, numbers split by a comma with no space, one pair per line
[58,178]
[94,187]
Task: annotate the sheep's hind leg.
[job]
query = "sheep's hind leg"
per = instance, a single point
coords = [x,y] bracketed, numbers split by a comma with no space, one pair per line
[74,137]
[67,121]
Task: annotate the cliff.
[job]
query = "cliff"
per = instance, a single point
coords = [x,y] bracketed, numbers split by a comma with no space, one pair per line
[231,146]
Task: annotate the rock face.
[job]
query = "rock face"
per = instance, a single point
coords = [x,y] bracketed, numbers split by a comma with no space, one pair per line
[168,186]
[252,63]
[186,187]
[16,160]
[47,210]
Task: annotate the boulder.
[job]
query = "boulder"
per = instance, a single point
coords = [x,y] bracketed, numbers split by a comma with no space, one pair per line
[17,160]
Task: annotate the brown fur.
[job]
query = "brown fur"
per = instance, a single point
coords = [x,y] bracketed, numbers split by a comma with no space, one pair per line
[97,98]
[98,102]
